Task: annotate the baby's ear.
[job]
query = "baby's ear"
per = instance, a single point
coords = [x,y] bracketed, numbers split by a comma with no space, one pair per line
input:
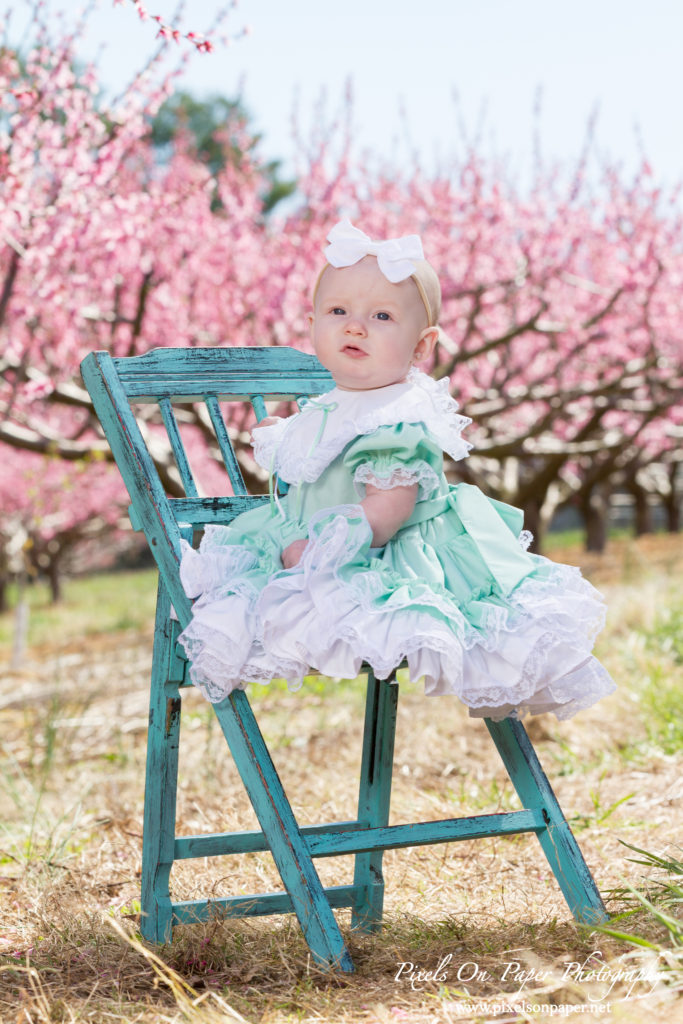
[310,317]
[425,344]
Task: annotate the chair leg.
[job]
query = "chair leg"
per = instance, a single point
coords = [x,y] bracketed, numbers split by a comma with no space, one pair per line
[289,849]
[160,782]
[557,840]
[374,797]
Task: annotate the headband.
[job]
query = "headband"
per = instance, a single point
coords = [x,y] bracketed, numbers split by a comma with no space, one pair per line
[348,245]
[397,258]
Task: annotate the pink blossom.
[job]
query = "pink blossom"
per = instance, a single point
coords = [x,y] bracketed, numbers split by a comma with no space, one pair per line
[561,306]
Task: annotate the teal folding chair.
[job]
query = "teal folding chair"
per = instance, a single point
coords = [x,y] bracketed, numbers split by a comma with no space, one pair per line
[255,375]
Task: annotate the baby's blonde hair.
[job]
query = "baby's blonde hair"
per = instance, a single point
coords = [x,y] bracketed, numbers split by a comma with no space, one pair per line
[427,284]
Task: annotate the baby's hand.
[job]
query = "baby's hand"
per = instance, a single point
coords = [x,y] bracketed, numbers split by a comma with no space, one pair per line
[291,555]
[267,422]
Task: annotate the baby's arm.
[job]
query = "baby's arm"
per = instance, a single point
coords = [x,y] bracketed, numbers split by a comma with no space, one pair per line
[268,421]
[386,511]
[291,555]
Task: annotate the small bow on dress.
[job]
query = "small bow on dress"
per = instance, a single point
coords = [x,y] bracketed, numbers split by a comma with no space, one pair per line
[395,257]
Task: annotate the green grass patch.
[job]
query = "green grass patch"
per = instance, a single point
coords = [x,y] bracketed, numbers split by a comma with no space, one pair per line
[657,900]
[667,635]
[100,603]
[558,539]
[662,697]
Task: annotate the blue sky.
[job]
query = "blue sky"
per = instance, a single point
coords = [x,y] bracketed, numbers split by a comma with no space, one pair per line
[622,57]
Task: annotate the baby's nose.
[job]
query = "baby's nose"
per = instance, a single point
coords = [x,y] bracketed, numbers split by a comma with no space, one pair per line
[355,326]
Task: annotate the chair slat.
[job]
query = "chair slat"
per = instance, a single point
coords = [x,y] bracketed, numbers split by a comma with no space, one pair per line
[225,445]
[227,373]
[259,407]
[179,452]
[138,471]
[202,511]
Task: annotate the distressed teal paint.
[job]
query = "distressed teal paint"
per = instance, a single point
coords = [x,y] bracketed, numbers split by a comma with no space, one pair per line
[557,840]
[374,799]
[176,442]
[257,375]
[161,781]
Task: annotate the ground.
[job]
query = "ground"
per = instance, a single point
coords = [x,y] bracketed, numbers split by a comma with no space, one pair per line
[472,929]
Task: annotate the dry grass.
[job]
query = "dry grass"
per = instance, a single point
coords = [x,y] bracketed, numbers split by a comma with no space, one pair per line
[71,807]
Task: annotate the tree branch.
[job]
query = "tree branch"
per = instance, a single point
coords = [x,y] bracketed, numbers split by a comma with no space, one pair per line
[8,283]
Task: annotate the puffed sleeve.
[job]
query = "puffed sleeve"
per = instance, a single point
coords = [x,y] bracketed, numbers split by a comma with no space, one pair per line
[396,456]
[266,441]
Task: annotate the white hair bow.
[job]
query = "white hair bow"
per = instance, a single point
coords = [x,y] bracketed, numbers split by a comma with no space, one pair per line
[395,257]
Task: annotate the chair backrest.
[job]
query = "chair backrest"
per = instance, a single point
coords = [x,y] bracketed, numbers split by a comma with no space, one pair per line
[168,376]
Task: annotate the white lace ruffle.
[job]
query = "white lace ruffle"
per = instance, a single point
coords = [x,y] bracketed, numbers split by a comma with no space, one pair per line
[290,449]
[397,475]
[531,654]
[525,539]
[266,441]
[222,572]
[223,639]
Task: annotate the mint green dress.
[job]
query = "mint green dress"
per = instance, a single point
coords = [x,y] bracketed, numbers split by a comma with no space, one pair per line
[454,594]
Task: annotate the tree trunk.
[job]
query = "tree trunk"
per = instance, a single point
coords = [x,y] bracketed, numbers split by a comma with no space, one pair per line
[54,579]
[21,617]
[595,511]
[672,502]
[5,576]
[533,521]
[642,513]
[673,513]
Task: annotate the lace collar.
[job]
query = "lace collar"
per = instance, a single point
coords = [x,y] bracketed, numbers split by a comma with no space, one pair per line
[299,448]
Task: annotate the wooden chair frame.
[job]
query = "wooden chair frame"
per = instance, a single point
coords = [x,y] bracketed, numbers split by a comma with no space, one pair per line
[254,375]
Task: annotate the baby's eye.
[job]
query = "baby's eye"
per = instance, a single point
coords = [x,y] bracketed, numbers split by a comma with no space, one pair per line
[338,311]
[383,316]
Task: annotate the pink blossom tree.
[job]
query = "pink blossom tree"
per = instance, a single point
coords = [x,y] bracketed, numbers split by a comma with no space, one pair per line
[173,32]
[54,512]
[560,306]
[91,231]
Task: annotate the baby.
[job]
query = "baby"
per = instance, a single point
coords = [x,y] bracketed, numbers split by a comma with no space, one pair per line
[369,332]
[372,557]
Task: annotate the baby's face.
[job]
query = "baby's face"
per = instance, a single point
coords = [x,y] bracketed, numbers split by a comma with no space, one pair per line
[367,331]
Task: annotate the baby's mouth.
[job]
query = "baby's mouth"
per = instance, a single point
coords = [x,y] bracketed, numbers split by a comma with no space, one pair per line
[354,351]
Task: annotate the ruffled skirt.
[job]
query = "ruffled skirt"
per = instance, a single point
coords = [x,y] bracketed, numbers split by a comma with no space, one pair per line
[428,598]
